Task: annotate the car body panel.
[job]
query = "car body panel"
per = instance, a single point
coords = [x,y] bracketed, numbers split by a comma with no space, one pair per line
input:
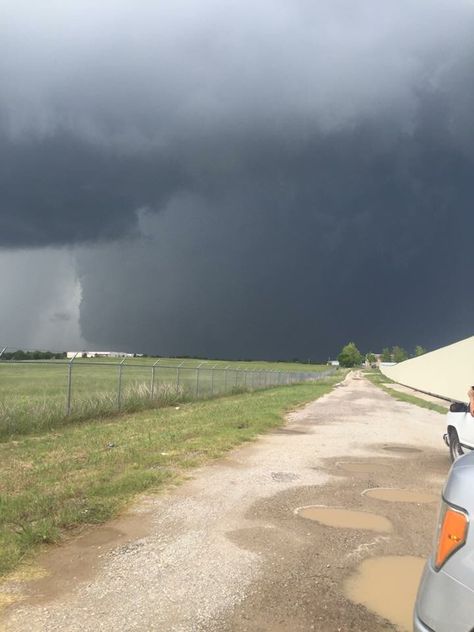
[444,604]
[464,425]
[445,601]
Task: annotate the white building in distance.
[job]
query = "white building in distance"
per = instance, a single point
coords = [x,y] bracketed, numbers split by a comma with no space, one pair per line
[98,354]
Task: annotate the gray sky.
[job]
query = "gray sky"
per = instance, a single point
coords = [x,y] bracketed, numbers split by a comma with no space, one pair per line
[225,179]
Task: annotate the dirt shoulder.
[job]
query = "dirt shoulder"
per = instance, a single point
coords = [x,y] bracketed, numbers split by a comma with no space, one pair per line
[228,551]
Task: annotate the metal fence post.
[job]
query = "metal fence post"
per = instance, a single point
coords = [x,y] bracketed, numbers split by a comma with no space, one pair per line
[225,378]
[119,387]
[178,375]
[212,379]
[69,384]
[197,378]
[152,388]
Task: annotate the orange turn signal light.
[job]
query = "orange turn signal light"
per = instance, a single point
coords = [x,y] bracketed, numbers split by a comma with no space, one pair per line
[452,532]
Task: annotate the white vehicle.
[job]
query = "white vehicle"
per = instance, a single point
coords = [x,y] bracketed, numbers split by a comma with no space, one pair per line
[460,430]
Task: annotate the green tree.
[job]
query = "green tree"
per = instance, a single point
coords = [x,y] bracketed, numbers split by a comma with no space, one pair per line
[399,354]
[350,356]
[371,359]
[386,355]
[419,350]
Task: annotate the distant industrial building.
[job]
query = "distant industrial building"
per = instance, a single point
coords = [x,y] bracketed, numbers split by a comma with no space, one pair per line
[98,354]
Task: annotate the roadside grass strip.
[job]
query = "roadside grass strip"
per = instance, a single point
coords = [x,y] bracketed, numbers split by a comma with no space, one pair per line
[379,380]
[56,481]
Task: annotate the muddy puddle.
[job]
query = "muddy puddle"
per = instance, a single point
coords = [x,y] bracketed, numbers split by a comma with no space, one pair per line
[402,449]
[363,468]
[387,586]
[78,559]
[345,518]
[394,495]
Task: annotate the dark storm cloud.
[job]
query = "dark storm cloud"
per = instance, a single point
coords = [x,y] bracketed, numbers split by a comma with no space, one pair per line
[346,239]
[110,107]
[276,171]
[62,190]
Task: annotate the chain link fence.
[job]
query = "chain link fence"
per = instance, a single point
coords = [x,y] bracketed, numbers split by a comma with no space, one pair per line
[41,392]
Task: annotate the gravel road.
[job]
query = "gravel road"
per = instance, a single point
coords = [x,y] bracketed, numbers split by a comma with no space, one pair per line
[227,550]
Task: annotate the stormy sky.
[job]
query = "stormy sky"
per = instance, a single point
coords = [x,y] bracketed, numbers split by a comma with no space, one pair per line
[236,179]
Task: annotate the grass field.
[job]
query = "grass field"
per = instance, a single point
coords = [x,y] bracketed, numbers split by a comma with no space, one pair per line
[56,481]
[377,378]
[256,365]
[36,395]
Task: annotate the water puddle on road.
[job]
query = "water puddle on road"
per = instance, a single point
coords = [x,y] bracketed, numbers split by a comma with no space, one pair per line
[77,560]
[402,449]
[362,468]
[345,518]
[387,586]
[400,495]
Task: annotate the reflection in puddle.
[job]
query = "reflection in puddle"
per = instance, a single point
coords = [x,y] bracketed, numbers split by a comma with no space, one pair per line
[387,586]
[362,468]
[403,449]
[400,495]
[345,518]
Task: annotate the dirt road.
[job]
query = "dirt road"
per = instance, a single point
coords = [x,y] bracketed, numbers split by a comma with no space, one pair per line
[245,544]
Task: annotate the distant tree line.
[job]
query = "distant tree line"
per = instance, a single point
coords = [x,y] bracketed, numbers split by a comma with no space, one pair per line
[350,355]
[19,354]
[398,354]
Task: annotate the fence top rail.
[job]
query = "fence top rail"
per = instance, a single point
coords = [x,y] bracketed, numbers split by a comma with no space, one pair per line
[79,363]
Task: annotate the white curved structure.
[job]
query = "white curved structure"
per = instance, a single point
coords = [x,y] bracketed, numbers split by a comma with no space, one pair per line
[447,372]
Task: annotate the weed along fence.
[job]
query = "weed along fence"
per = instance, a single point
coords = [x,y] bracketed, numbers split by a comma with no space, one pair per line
[38,394]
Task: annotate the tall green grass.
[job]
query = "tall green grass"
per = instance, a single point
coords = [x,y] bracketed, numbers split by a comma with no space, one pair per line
[34,396]
[33,416]
[85,473]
